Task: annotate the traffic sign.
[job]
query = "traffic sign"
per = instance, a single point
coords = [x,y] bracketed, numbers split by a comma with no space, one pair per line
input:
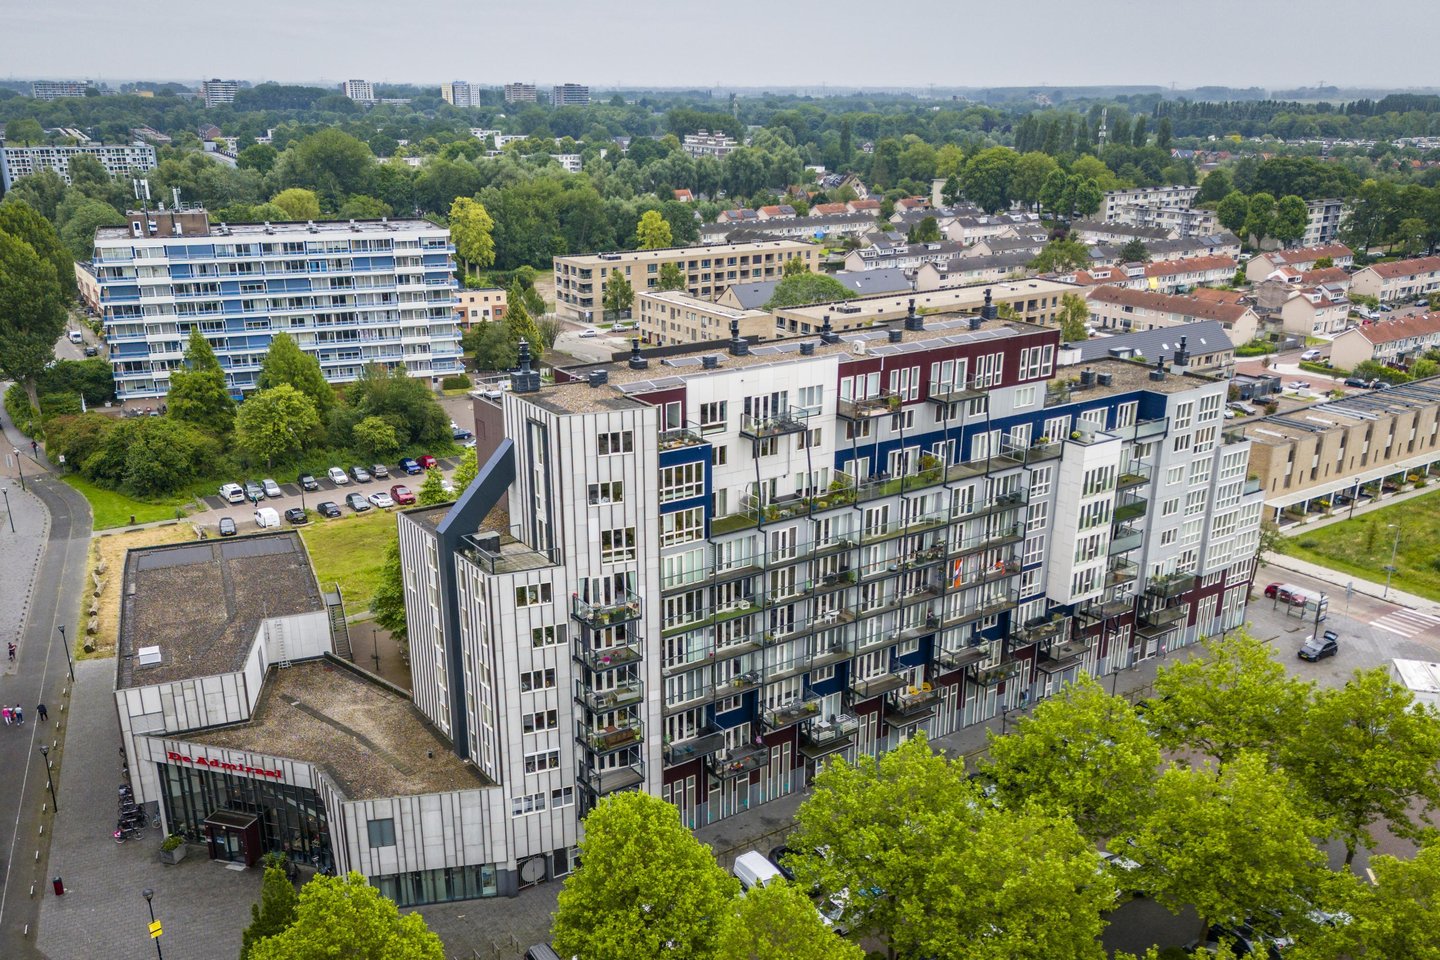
[155,930]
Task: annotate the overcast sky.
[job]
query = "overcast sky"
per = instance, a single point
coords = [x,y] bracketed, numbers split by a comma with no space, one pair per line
[846,44]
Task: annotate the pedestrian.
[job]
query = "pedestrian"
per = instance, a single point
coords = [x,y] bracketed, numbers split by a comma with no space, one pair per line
[12,650]
[41,713]
[19,714]
[6,713]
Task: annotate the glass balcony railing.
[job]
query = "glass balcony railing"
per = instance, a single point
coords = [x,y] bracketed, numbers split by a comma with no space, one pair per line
[878,686]
[947,392]
[777,718]
[866,407]
[693,748]
[679,437]
[612,779]
[600,659]
[824,735]
[600,615]
[739,761]
[609,739]
[621,695]
[912,702]
[958,658]
[1126,538]
[1170,586]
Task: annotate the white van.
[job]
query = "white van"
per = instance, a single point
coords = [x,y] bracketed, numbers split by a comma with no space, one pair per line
[76,336]
[753,870]
[267,517]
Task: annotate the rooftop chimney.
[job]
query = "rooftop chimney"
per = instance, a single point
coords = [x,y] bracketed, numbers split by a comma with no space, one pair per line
[989,311]
[739,346]
[710,361]
[524,380]
[896,335]
[913,320]
[1182,356]
[1087,377]
[598,378]
[827,334]
[1159,372]
[637,362]
[807,348]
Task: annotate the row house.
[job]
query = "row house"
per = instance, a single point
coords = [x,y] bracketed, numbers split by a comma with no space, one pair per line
[1398,279]
[1301,259]
[1164,276]
[1119,308]
[1397,342]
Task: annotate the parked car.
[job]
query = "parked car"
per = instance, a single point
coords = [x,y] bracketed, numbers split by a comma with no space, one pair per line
[307,482]
[232,493]
[590,332]
[360,474]
[402,494]
[410,466]
[753,870]
[254,492]
[778,856]
[267,517]
[1318,648]
[92,351]
[1311,355]
[357,502]
[337,476]
[227,527]
[381,499]
[460,436]
[272,489]
[296,516]
[76,336]
[380,472]
[1298,385]
[428,462]
[1286,593]
[1358,382]
[328,509]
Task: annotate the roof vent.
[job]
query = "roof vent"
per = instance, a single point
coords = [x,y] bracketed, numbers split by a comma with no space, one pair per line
[739,346]
[987,312]
[1159,372]
[310,225]
[710,361]
[1087,378]
[827,333]
[1182,356]
[149,656]
[807,348]
[637,362]
[1105,379]
[524,380]
[896,335]
[598,378]
[913,320]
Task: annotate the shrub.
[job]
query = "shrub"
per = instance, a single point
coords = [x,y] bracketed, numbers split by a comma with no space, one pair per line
[458,382]
[1309,544]
[17,404]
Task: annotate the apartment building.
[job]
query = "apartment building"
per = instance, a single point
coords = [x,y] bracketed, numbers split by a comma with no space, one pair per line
[87,286]
[731,230]
[1162,276]
[460,94]
[1322,310]
[1204,343]
[519,93]
[361,91]
[703,575]
[1299,260]
[1034,301]
[703,143]
[1322,221]
[216,92]
[59,89]
[118,160]
[1095,231]
[570,95]
[1398,279]
[1118,308]
[580,280]
[1360,446]
[1116,201]
[670,317]
[480,306]
[1396,342]
[350,294]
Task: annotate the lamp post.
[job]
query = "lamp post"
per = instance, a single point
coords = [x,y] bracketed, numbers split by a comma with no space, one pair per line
[1390,567]
[65,643]
[8,515]
[375,649]
[19,465]
[149,894]
[45,759]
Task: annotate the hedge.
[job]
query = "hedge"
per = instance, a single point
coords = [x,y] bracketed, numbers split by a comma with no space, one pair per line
[1323,368]
[459,382]
[17,404]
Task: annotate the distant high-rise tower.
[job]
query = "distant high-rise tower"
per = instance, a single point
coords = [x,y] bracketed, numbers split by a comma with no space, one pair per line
[1103,133]
[216,92]
[361,91]
[570,95]
[520,93]
[460,93]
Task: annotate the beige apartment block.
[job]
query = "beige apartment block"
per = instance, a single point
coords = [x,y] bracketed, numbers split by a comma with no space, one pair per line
[1398,279]
[1034,301]
[709,271]
[481,306]
[1118,308]
[670,317]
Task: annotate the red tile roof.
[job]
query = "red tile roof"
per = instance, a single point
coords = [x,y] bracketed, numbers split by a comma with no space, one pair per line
[1207,306]
[1309,254]
[1406,268]
[1401,328]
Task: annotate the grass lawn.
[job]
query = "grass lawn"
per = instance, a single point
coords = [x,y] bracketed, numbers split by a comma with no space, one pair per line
[350,550]
[1362,546]
[113,509]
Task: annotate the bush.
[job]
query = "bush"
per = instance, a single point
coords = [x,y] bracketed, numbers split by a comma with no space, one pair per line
[459,382]
[17,404]
[1255,348]
[1324,368]
[151,457]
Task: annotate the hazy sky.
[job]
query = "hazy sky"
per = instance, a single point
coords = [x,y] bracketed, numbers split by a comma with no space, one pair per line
[843,43]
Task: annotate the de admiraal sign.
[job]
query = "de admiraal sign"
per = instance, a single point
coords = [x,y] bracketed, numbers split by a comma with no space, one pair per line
[209,764]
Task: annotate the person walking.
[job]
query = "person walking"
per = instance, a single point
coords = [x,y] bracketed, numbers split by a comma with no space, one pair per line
[41,713]
[12,651]
[18,714]
[5,712]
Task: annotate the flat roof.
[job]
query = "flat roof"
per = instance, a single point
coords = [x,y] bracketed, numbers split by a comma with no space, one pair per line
[946,298]
[1128,376]
[290,229]
[365,734]
[201,603]
[1350,410]
[667,253]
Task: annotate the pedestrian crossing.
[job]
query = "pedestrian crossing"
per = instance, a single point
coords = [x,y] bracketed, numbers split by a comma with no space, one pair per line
[1407,623]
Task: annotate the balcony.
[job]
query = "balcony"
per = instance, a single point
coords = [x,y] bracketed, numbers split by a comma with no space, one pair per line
[601,659]
[1039,629]
[994,538]
[679,438]
[989,677]
[866,407]
[1121,572]
[739,608]
[1130,506]
[944,392]
[912,704]
[1143,429]
[778,718]
[1058,393]
[1171,586]
[821,737]
[739,762]
[1063,656]
[615,779]
[683,751]
[1107,609]
[1126,538]
[1005,501]
[1134,474]
[784,421]
[621,695]
[1252,486]
[1157,623]
[598,616]
[962,657]
[991,606]
[610,739]
[878,686]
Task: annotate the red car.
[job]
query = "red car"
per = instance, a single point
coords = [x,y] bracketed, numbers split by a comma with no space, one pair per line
[401,494]
[428,462]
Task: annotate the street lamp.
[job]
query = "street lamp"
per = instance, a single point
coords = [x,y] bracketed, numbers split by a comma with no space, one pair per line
[1390,567]
[8,515]
[148,894]
[70,664]
[19,465]
[45,759]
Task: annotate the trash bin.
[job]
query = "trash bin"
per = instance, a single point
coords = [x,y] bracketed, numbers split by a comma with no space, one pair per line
[59,886]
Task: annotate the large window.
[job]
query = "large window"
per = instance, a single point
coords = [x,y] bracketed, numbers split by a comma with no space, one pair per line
[681,482]
[382,832]
[438,886]
[292,819]
[617,545]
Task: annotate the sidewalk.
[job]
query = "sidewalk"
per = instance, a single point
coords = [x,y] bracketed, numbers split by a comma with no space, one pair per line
[1339,578]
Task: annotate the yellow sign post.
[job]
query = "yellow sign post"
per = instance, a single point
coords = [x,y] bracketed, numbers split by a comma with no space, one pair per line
[155,930]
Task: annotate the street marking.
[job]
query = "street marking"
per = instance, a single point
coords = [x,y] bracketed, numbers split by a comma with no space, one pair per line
[1407,623]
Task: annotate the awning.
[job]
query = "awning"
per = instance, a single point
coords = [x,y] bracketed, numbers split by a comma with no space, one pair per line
[1343,484]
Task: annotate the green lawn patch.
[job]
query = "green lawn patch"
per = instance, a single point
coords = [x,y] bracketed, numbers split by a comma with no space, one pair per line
[113,509]
[350,550]
[1362,546]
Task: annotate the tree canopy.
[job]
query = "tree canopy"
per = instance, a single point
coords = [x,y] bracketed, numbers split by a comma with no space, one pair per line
[347,917]
[286,363]
[802,288]
[198,392]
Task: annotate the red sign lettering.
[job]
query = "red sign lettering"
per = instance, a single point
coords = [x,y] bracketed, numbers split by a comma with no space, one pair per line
[174,757]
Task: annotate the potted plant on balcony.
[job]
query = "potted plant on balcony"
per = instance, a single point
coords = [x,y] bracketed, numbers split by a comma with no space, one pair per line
[172,849]
[893,402]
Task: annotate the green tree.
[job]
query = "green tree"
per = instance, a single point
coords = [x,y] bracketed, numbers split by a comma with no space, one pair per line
[652,232]
[1368,753]
[645,886]
[1259,218]
[25,132]
[432,491]
[802,288]
[778,920]
[1238,697]
[1393,918]
[259,157]
[986,178]
[493,344]
[1324,263]
[471,228]
[1216,186]
[330,162]
[404,401]
[1271,541]
[1138,139]
[1163,133]
[1410,235]
[673,278]
[1083,753]
[27,223]
[1424,367]
[1057,195]
[793,267]
[361,207]
[347,917]
[274,423]
[32,313]
[1291,216]
[1060,255]
[950,193]
[518,318]
[619,296]
[1134,251]
[926,231]
[298,204]
[286,363]
[198,393]
[1088,196]
[466,470]
[1032,172]
[84,219]
[375,438]
[388,601]
[1232,211]
[273,914]
[1222,841]
[43,191]
[1073,318]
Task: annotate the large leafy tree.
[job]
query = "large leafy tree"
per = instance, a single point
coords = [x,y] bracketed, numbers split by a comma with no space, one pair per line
[198,393]
[375,437]
[1239,697]
[779,921]
[286,363]
[986,178]
[1060,255]
[1259,218]
[272,424]
[1084,753]
[1368,753]
[673,278]
[1032,171]
[466,470]
[1135,251]
[432,491]
[1226,840]
[652,232]
[388,601]
[471,228]
[1394,918]
[32,312]
[1073,317]
[347,917]
[298,203]
[619,296]
[20,219]
[330,162]
[520,321]
[1232,210]
[84,218]
[403,401]
[493,344]
[1291,216]
[645,886]
[805,287]
[273,914]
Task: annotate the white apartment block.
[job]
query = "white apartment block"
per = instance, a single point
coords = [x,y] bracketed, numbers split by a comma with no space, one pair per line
[59,89]
[704,575]
[216,92]
[520,93]
[569,161]
[1322,221]
[1116,201]
[351,294]
[569,95]
[706,144]
[361,91]
[460,94]
[118,160]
